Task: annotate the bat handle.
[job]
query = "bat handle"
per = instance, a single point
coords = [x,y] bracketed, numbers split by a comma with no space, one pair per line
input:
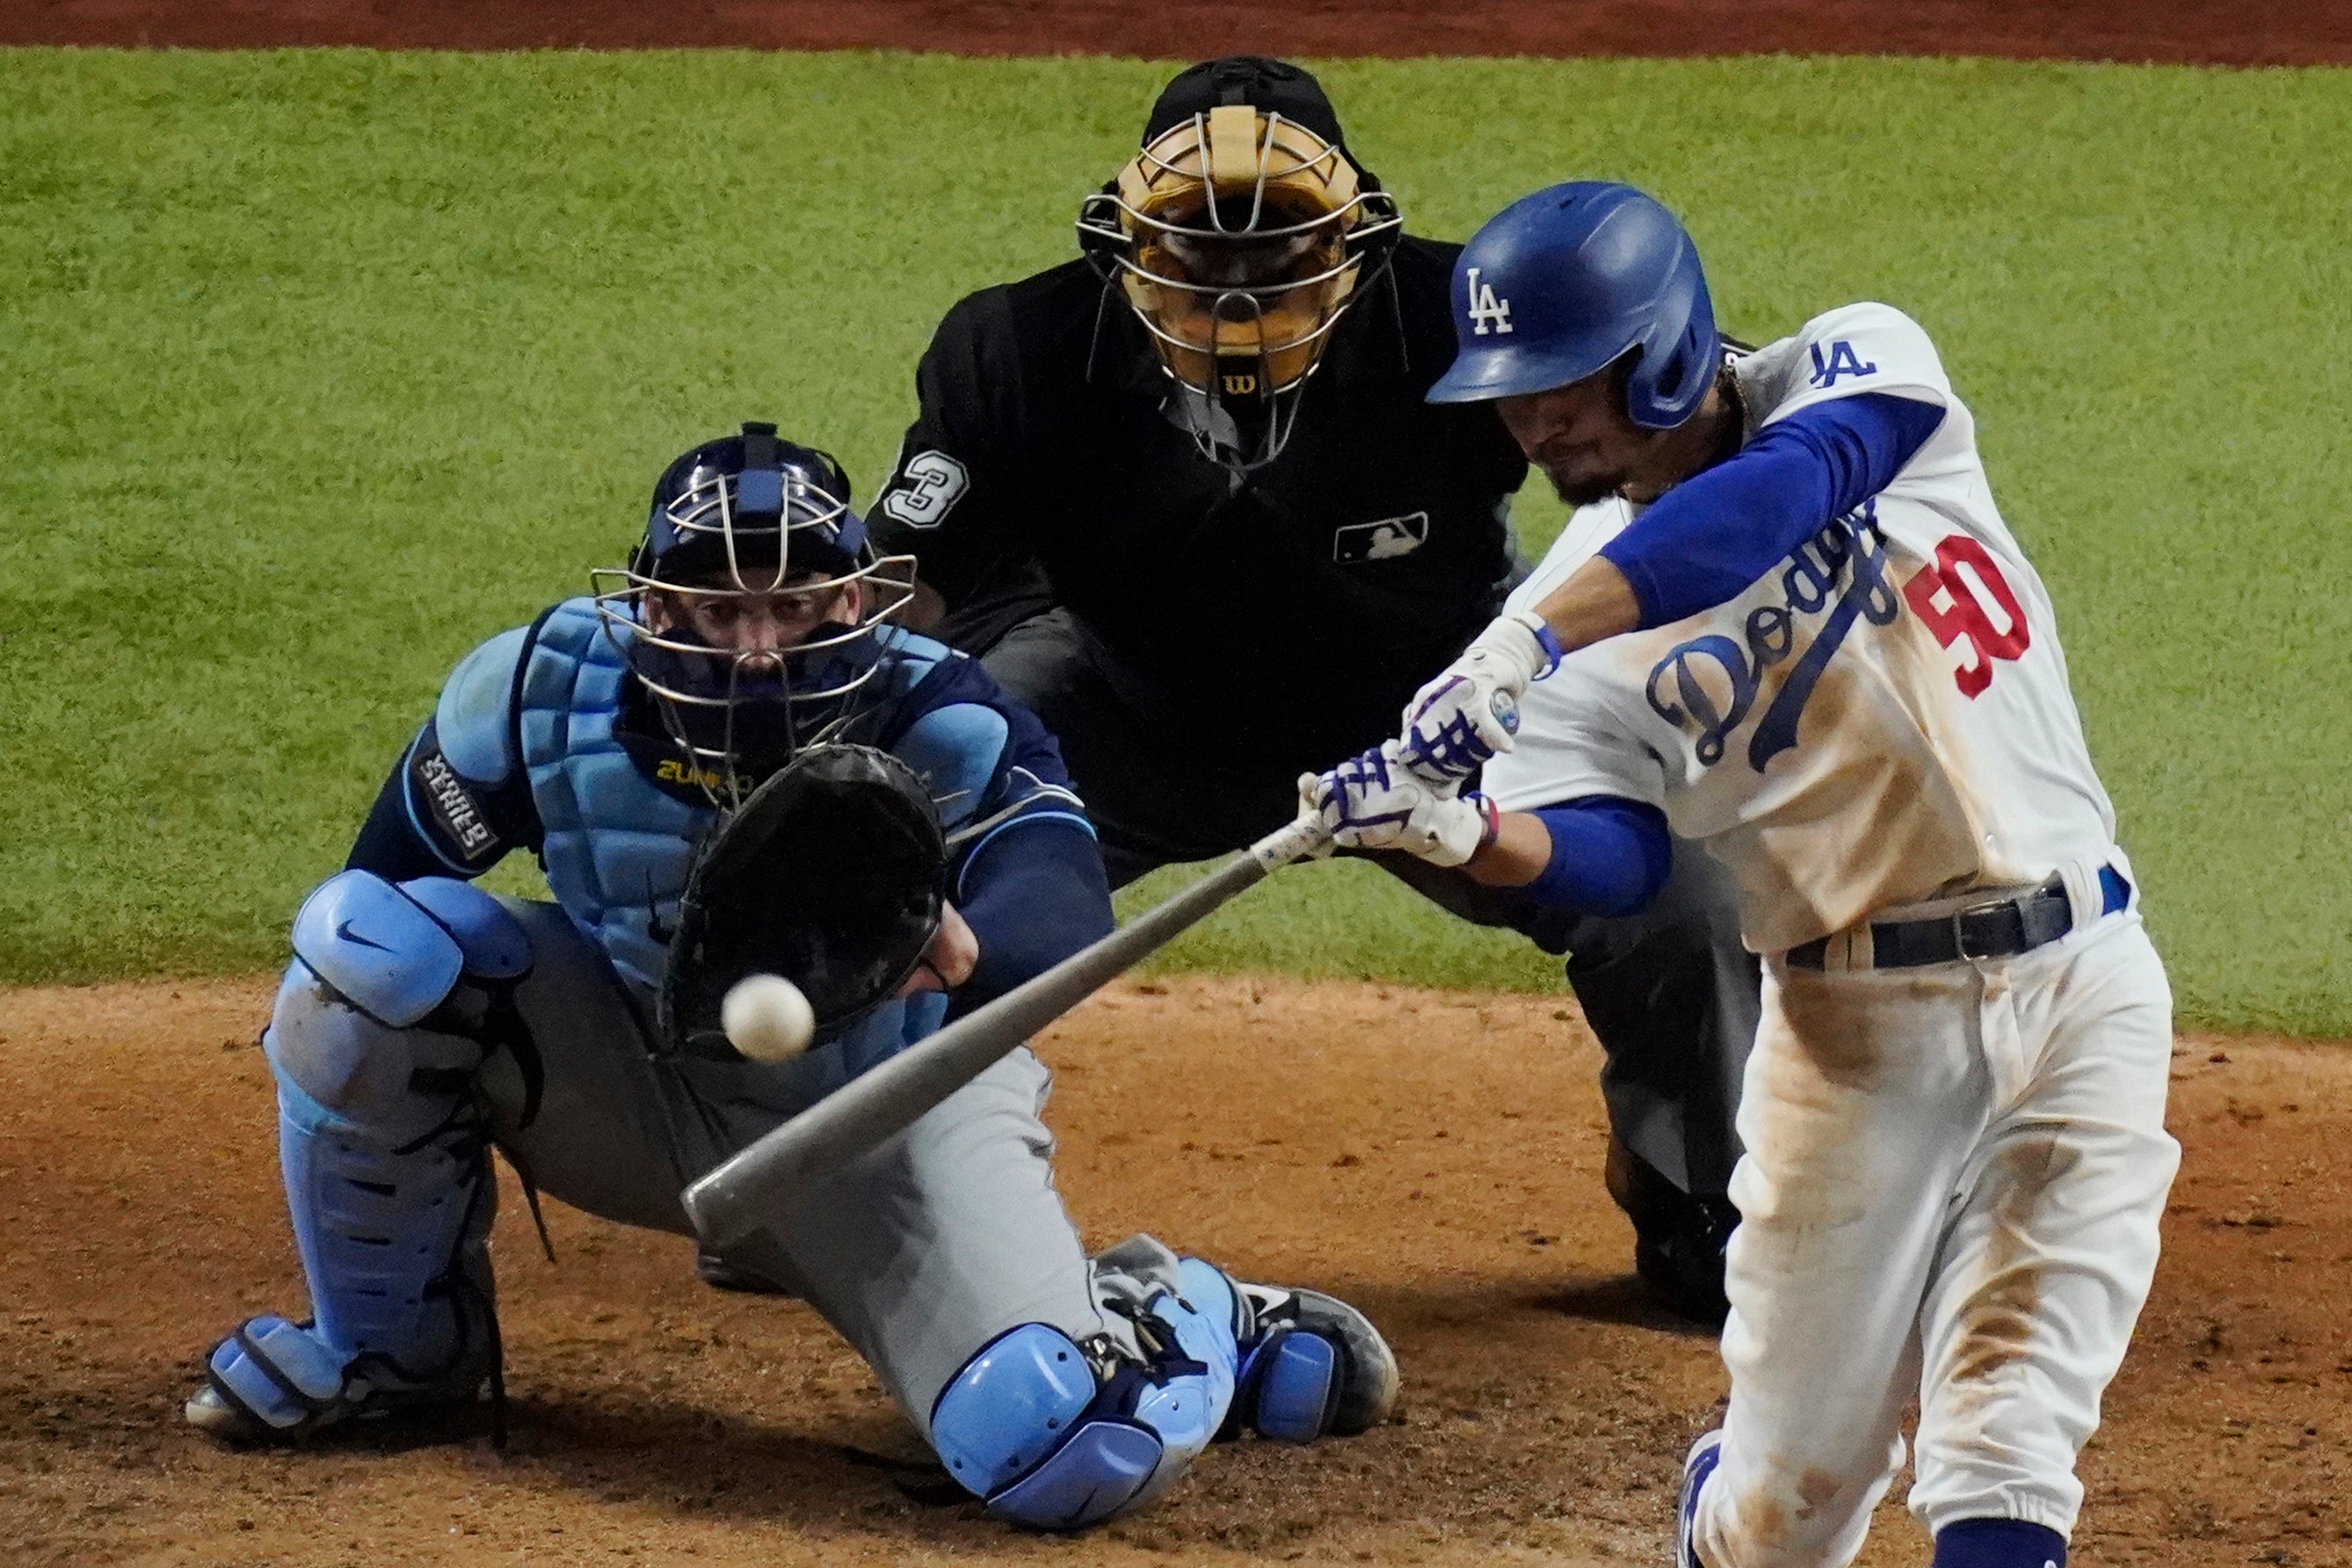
[1294,840]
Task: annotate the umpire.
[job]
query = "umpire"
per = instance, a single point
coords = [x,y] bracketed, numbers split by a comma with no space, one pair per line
[1151,483]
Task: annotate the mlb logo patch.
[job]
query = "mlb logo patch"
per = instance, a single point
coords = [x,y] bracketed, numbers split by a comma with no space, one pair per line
[1382,540]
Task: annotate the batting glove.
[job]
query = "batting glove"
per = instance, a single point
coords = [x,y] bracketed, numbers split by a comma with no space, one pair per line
[1463,717]
[1371,801]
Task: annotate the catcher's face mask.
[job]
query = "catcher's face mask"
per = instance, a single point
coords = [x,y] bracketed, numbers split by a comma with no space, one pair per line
[1239,239]
[748,610]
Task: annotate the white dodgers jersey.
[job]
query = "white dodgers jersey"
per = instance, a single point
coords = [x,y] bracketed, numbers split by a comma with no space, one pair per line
[1883,718]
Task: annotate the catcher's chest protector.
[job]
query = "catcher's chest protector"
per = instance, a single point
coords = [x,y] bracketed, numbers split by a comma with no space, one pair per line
[617,848]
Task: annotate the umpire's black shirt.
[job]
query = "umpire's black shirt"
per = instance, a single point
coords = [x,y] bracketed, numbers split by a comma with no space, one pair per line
[1285,620]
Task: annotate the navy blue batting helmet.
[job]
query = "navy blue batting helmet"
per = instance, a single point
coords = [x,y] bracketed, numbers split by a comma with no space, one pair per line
[1565,283]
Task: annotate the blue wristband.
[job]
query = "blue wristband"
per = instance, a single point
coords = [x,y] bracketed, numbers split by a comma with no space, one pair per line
[1549,640]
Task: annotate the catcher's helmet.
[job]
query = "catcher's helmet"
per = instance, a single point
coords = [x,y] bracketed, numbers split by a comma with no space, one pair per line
[751,521]
[1238,234]
[1565,283]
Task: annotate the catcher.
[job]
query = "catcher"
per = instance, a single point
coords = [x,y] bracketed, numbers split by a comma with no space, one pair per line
[734,709]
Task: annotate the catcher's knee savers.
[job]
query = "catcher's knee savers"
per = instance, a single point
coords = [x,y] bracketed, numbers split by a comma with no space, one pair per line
[386,1175]
[396,996]
[396,953]
[1056,1435]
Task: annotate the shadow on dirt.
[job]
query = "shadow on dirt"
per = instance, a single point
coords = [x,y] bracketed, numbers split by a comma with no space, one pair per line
[1622,1300]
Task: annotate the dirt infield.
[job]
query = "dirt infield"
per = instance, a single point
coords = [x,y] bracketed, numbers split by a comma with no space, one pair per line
[1436,1157]
[2285,32]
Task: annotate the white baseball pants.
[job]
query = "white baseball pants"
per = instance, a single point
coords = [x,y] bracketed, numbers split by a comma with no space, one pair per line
[1953,1181]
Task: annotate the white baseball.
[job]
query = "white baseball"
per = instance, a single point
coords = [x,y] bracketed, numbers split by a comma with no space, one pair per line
[766,1019]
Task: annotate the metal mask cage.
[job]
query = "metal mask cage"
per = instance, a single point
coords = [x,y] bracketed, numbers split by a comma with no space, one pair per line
[809,691]
[1253,344]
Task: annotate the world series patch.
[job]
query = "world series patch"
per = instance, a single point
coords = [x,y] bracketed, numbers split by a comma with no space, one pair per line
[454,809]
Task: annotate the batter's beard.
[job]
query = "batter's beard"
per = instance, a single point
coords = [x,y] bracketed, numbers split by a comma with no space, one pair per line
[1585,488]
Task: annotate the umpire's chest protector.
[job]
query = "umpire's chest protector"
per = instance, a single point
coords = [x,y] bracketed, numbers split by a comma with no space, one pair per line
[617,850]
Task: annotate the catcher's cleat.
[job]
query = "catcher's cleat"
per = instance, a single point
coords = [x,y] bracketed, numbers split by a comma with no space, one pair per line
[1697,1465]
[1311,1366]
[721,1275]
[275,1381]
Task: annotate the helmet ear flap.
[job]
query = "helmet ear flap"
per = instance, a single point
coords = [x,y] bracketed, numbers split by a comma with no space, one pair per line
[1678,364]
[1673,381]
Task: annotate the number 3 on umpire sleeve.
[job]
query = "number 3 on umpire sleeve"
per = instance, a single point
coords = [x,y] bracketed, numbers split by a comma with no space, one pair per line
[928,487]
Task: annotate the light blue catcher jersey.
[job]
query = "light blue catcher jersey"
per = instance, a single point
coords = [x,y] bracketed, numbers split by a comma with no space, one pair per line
[617,848]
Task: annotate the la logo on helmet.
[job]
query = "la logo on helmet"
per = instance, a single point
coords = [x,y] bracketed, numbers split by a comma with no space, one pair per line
[1486,311]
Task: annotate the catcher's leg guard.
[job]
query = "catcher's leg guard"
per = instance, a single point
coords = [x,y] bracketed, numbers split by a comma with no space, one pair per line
[387,1180]
[1057,1435]
[394,1241]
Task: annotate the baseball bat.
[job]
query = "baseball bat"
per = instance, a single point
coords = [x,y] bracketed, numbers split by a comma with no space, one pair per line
[752,1187]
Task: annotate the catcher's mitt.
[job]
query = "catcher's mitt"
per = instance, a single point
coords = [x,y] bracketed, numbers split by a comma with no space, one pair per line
[832,874]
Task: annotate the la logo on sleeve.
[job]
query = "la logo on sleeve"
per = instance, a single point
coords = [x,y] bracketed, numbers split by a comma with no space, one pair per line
[1840,361]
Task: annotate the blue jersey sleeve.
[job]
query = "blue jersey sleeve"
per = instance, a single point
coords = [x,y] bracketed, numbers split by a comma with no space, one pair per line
[1026,874]
[458,799]
[1609,856]
[1706,539]
[1030,883]
[1032,899]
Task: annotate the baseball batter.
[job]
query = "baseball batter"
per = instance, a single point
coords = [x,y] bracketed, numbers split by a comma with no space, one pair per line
[423,1020]
[1792,624]
[1201,452]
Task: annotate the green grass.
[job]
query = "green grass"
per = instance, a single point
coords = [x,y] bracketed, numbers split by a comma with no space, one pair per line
[315,368]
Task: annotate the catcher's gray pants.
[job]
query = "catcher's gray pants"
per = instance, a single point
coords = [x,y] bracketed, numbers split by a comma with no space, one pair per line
[1671,992]
[919,1253]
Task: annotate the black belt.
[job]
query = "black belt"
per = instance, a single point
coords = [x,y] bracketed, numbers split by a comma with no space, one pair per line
[2002,929]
